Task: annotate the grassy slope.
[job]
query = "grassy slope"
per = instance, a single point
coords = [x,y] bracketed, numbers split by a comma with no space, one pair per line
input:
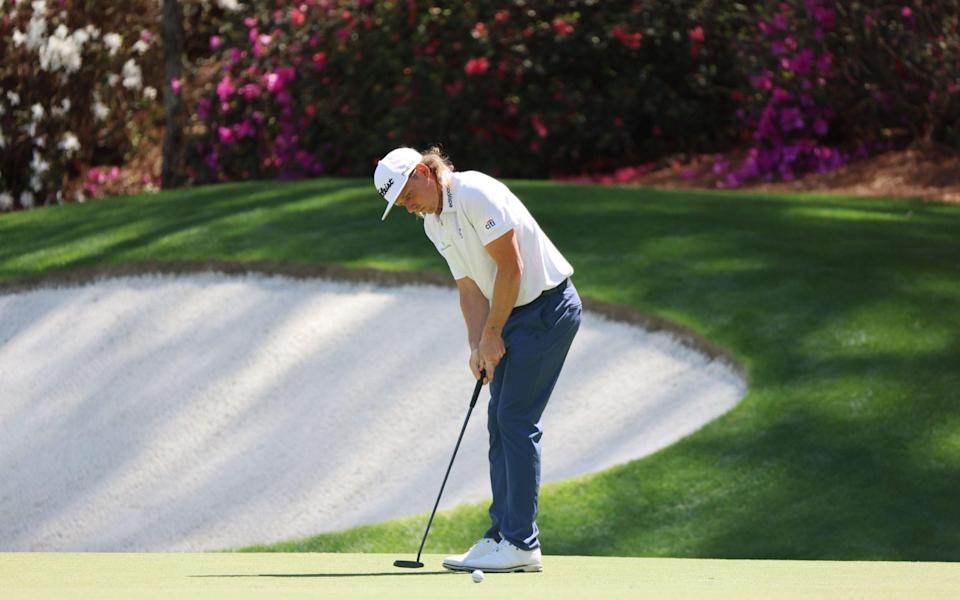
[842,310]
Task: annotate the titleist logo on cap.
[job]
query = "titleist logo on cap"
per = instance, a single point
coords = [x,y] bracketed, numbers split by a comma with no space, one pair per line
[386,188]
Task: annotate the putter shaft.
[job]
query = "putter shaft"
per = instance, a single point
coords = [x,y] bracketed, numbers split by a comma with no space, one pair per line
[473,402]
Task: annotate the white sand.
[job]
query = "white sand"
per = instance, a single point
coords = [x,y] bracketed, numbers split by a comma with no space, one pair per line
[202,412]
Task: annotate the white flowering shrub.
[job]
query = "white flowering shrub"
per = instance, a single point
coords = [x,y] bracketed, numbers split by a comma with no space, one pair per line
[76,80]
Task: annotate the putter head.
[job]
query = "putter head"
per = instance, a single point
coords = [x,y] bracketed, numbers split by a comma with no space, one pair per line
[408,564]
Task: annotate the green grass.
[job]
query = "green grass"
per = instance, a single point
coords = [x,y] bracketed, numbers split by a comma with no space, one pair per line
[63,576]
[843,311]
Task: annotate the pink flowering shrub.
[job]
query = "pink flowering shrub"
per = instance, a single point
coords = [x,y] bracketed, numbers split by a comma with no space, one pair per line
[326,86]
[905,58]
[830,80]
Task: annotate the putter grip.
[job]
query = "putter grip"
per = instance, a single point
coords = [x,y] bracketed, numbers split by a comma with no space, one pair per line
[476,390]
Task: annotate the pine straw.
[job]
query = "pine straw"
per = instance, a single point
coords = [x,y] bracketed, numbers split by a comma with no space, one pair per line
[930,174]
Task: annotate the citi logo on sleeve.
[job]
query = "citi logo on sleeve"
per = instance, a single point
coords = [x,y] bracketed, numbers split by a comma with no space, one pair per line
[489,224]
[386,187]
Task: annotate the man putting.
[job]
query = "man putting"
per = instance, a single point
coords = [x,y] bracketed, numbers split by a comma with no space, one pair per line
[522,313]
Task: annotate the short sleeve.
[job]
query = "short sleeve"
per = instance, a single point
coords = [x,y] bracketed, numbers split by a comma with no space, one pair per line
[488,210]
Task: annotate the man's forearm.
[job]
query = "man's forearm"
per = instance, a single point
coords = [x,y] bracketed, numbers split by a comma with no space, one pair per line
[475,308]
[506,288]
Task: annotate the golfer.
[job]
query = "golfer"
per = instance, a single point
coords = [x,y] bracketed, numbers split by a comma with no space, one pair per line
[522,313]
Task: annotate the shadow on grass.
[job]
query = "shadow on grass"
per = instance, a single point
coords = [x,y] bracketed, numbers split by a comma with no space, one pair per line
[223,221]
[830,454]
[838,467]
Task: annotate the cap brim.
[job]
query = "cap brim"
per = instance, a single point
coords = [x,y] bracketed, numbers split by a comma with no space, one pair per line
[389,208]
[399,188]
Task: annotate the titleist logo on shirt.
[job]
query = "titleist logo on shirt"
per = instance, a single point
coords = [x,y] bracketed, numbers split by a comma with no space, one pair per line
[449,197]
[386,187]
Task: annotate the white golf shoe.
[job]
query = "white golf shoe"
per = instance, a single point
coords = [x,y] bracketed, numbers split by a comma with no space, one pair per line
[483,547]
[506,558]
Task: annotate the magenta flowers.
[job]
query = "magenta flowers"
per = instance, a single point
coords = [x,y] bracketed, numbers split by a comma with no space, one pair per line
[788,114]
[225,89]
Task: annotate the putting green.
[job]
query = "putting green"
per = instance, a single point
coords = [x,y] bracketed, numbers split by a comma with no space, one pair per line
[66,576]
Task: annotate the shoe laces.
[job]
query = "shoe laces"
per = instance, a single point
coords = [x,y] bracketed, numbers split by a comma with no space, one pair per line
[480,542]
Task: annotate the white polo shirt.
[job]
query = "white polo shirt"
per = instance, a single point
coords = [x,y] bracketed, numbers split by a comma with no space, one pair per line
[478,209]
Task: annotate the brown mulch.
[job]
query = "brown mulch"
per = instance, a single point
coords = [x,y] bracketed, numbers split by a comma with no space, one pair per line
[929,174]
[925,173]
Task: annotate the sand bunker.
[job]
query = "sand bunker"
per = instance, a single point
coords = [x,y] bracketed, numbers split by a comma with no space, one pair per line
[201,412]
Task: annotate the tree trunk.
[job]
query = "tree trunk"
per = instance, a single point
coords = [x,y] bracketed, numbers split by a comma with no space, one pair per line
[173,143]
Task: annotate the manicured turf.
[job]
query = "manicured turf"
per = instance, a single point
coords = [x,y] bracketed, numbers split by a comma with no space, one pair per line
[344,576]
[843,311]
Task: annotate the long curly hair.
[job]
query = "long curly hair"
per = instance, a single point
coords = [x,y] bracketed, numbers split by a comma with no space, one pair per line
[439,163]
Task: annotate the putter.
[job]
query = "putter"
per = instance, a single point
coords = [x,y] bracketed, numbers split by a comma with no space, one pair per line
[416,564]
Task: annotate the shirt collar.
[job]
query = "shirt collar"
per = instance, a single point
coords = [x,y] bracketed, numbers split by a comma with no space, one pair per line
[450,202]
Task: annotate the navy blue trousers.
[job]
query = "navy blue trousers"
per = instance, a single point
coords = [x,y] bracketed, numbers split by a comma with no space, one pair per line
[537,337]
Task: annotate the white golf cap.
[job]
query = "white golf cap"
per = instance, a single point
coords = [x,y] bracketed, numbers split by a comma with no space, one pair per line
[392,173]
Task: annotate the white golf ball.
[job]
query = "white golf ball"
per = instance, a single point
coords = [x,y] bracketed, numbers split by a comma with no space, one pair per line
[477,576]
